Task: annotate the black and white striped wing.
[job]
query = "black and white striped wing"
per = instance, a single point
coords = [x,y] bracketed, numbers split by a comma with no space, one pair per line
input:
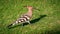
[22,19]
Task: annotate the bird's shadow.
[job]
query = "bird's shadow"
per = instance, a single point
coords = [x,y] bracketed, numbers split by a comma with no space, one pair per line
[35,20]
[32,21]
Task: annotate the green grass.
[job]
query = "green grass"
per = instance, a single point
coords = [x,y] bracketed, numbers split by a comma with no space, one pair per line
[10,10]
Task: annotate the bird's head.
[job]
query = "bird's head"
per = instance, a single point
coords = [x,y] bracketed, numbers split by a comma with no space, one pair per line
[29,7]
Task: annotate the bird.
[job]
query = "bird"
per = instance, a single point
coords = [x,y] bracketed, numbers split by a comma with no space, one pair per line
[25,18]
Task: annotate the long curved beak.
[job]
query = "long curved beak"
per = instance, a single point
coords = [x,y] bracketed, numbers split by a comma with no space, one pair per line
[36,9]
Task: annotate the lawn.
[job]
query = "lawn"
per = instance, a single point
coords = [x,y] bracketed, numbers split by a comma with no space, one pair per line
[46,20]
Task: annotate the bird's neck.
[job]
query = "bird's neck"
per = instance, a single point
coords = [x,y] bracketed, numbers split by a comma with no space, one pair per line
[30,12]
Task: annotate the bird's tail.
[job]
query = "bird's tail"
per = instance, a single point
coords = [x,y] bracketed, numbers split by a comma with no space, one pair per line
[12,24]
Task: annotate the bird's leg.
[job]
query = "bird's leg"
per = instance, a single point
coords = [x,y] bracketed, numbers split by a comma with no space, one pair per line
[22,24]
[28,22]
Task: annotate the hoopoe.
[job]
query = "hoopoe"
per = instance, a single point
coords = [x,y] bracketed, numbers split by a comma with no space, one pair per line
[24,18]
